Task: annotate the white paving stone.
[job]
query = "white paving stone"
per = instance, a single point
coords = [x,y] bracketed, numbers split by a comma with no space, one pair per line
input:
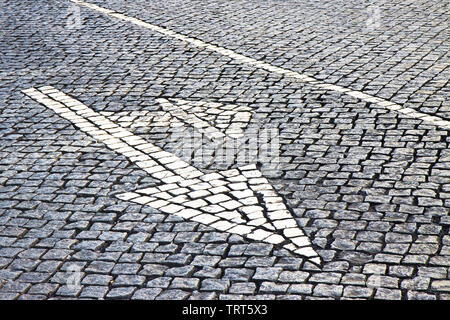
[181,199]
[229,215]
[167,187]
[143,199]
[151,190]
[249,201]
[205,218]
[214,208]
[172,179]
[279,215]
[200,186]
[179,191]
[171,208]
[162,195]
[301,241]
[252,174]
[276,207]
[285,223]
[275,239]
[188,213]
[306,251]
[158,204]
[199,194]
[217,198]
[199,203]
[257,222]
[237,186]
[223,225]
[259,235]
[221,189]
[231,204]
[292,232]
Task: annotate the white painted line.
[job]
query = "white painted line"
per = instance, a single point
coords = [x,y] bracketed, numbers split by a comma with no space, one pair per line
[219,210]
[270,68]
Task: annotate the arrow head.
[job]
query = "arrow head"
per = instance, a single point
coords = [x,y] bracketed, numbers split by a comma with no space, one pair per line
[239,201]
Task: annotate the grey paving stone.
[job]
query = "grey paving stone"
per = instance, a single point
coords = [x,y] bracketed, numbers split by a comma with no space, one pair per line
[196,295]
[326,277]
[48,266]
[9,295]
[354,279]
[146,294]
[401,271]
[179,271]
[185,283]
[206,260]
[43,289]
[416,283]
[441,285]
[153,270]
[100,267]
[68,291]
[216,249]
[208,272]
[175,294]
[23,264]
[154,257]
[34,277]
[131,257]
[415,295]
[217,285]
[179,258]
[304,289]
[289,263]
[260,262]
[126,268]
[32,297]
[376,281]
[336,266]
[237,249]
[186,237]
[13,286]
[258,249]
[432,272]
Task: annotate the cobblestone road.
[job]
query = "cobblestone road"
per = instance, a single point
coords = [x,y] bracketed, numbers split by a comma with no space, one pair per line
[356,205]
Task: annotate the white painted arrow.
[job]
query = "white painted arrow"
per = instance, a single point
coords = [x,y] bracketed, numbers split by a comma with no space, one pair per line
[239,201]
[221,126]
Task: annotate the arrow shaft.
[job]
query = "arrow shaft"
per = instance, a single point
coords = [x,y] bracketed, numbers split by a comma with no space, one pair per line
[152,159]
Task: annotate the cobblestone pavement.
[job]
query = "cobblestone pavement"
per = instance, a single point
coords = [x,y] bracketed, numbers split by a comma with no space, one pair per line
[357,90]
